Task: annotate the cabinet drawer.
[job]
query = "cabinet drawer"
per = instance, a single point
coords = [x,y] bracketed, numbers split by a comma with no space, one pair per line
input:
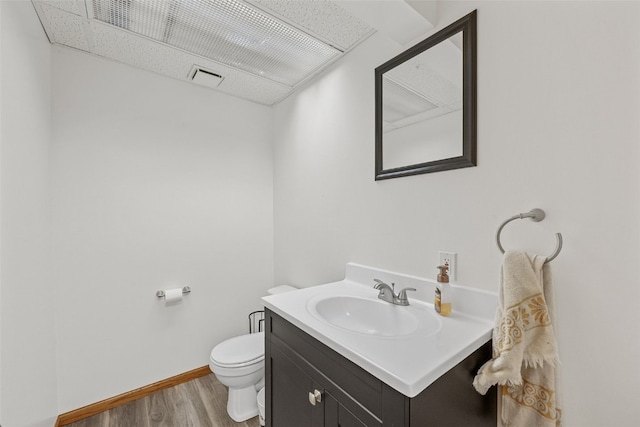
[346,377]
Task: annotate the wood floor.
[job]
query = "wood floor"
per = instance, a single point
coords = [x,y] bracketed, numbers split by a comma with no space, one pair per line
[197,403]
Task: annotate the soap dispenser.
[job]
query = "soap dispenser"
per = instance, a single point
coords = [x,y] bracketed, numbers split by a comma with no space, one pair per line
[442,302]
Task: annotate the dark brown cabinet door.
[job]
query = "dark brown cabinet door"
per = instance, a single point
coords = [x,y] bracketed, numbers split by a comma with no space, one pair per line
[336,415]
[298,400]
[290,388]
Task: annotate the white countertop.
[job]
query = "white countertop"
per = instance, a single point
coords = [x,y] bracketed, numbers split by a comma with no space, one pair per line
[407,363]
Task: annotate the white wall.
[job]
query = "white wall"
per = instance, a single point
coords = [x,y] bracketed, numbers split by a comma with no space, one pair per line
[558,100]
[156,184]
[28,368]
[1,54]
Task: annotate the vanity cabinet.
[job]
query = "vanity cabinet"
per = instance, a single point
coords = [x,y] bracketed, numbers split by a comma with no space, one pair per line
[310,385]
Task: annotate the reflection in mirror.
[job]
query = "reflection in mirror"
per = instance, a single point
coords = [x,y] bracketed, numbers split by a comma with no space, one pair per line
[423,96]
[425,105]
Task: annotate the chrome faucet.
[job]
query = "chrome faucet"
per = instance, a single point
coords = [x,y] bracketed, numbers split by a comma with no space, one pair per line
[387,293]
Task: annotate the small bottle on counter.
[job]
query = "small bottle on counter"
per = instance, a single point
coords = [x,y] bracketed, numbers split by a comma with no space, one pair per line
[437,301]
[442,302]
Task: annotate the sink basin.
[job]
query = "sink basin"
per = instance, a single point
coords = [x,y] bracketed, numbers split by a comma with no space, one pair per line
[371,316]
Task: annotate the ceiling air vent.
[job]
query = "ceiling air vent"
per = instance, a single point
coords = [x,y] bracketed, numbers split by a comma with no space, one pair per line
[205,77]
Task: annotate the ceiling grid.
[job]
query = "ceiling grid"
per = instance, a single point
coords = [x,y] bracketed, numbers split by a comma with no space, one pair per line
[256,45]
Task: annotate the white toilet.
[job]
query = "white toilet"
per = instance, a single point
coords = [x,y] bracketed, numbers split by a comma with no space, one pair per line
[238,363]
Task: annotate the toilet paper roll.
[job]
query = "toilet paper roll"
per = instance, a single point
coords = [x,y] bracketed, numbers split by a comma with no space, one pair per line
[172,296]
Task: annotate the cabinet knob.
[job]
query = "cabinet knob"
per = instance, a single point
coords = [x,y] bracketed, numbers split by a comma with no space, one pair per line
[315,397]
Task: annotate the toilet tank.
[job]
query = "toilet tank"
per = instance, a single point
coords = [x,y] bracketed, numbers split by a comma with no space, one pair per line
[281,289]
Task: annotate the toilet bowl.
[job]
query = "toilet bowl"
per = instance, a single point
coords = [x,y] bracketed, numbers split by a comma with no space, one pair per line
[238,363]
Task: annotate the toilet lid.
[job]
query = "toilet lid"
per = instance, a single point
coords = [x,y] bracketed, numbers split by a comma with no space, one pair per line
[239,351]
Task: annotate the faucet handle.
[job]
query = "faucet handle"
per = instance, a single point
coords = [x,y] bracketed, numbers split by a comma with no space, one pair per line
[380,284]
[402,295]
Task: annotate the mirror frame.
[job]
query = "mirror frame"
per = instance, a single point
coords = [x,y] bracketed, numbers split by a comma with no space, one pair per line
[466,25]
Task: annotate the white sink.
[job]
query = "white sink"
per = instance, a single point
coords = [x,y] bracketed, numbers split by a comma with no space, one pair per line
[371,316]
[407,347]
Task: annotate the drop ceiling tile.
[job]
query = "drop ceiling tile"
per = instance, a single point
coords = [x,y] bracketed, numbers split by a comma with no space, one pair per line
[63,27]
[322,18]
[76,7]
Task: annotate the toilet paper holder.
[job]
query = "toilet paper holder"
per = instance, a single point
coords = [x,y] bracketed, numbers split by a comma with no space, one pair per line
[185,290]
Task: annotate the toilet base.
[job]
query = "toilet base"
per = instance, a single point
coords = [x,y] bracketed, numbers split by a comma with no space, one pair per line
[261,405]
[242,403]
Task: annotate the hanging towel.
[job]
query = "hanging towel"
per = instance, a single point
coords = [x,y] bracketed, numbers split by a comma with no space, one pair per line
[524,361]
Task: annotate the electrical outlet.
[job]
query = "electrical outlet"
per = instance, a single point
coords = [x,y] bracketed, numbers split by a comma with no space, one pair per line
[449,259]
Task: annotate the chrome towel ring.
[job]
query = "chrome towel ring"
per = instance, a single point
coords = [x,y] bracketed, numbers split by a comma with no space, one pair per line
[536,215]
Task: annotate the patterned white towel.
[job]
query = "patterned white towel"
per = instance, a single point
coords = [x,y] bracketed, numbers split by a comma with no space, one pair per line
[525,355]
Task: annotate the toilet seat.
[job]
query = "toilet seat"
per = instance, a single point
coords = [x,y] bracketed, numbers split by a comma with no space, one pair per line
[243,350]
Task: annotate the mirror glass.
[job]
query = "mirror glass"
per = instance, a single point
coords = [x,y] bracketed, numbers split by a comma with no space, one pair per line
[425,105]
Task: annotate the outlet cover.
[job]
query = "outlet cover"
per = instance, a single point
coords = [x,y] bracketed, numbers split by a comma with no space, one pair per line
[450,259]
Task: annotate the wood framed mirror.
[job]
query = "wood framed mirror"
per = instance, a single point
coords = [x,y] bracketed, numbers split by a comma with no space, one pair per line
[425,105]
